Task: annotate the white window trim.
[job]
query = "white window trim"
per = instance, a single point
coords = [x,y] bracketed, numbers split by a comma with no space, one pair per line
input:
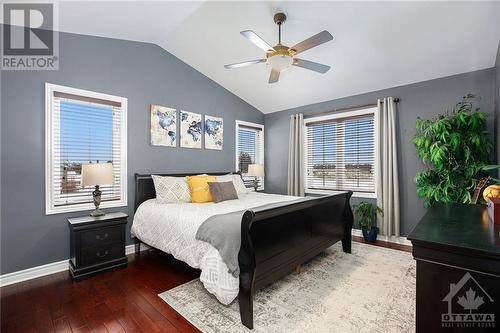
[354,194]
[49,95]
[261,127]
[353,113]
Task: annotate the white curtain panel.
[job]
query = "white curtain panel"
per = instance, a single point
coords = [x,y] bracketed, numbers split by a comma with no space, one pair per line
[296,156]
[386,172]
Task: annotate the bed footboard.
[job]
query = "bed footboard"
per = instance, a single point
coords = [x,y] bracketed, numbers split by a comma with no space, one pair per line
[276,240]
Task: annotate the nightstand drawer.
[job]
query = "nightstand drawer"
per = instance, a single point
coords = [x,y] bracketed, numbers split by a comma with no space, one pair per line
[102,253]
[101,236]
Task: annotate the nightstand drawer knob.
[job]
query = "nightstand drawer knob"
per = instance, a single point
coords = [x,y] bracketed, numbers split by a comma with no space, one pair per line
[101,255]
[101,237]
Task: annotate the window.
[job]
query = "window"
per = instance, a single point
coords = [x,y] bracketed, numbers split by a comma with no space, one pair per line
[340,152]
[249,149]
[83,127]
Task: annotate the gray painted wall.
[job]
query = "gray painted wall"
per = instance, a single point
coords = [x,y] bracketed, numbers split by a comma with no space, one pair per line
[424,99]
[144,73]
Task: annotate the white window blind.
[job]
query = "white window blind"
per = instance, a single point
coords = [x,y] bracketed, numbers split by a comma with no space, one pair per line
[83,127]
[341,153]
[249,148]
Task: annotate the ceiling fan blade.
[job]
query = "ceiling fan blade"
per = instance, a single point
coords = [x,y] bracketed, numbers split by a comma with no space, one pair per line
[318,39]
[244,63]
[274,77]
[254,38]
[314,66]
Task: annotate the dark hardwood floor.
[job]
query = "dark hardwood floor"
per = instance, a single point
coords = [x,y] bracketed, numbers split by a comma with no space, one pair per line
[121,301]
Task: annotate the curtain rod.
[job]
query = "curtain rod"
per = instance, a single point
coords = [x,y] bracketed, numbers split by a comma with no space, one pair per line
[396,100]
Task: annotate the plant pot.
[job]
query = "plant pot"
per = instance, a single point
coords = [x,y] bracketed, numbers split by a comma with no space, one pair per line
[370,236]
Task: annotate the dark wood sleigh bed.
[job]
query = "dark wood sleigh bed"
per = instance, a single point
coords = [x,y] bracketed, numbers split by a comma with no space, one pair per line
[277,240]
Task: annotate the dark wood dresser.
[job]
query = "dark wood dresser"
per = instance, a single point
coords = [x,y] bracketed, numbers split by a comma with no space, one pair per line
[457,250]
[97,244]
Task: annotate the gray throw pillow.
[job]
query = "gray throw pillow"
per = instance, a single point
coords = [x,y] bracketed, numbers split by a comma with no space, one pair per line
[222,191]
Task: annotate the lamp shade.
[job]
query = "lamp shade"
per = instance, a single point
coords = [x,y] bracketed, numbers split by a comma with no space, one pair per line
[97,174]
[256,170]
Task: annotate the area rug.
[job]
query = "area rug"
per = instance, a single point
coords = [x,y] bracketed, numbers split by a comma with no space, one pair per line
[370,290]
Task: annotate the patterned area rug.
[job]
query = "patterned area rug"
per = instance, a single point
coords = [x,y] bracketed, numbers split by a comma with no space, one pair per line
[370,290]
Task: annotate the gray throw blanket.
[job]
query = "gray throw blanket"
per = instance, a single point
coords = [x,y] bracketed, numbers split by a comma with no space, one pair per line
[223,232]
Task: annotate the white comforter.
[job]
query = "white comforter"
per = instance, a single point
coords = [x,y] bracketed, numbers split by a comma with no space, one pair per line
[172,228]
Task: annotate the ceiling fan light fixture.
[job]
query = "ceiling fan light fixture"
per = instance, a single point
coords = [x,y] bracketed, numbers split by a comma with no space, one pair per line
[280,57]
[280,62]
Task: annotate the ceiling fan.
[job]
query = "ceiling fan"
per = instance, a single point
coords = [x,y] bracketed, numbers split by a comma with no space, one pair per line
[280,57]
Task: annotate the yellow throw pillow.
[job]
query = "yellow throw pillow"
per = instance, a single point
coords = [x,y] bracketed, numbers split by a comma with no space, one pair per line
[200,192]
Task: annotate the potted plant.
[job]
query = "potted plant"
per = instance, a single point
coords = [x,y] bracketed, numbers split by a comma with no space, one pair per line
[366,216]
[454,146]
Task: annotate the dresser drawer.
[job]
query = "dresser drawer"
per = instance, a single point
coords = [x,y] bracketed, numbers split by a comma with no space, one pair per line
[102,253]
[99,236]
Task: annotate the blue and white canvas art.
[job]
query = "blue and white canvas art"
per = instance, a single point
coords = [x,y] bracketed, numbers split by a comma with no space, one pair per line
[214,133]
[163,126]
[190,129]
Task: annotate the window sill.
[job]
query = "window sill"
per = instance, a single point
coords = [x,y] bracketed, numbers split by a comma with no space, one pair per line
[259,189]
[83,207]
[354,195]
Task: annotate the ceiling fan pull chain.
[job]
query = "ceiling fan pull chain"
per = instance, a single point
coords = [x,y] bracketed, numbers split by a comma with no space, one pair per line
[279,33]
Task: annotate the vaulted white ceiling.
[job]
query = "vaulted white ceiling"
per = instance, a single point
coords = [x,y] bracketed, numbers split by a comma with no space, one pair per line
[376,45]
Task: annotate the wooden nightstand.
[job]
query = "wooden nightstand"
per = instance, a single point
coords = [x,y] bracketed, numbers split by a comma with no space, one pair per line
[97,244]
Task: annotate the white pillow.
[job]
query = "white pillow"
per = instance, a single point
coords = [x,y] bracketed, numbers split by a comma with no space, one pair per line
[239,184]
[237,181]
[171,189]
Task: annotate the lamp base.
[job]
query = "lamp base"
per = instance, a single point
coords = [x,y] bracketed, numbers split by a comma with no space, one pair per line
[97,201]
[256,184]
[97,212]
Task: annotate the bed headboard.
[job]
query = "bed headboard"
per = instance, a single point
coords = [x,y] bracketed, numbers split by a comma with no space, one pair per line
[145,189]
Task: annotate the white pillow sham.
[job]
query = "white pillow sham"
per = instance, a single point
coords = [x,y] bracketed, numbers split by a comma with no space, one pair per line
[171,189]
[237,181]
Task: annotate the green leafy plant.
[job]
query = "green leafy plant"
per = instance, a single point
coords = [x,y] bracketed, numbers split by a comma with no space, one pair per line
[455,146]
[366,214]
[492,171]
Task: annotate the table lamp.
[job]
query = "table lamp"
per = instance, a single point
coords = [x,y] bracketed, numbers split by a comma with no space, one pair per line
[96,174]
[255,170]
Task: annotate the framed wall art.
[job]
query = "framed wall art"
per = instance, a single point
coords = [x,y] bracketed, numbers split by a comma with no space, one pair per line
[190,129]
[214,132]
[163,126]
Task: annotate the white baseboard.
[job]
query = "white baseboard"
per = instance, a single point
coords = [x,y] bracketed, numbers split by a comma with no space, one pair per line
[34,272]
[130,249]
[389,239]
[54,267]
